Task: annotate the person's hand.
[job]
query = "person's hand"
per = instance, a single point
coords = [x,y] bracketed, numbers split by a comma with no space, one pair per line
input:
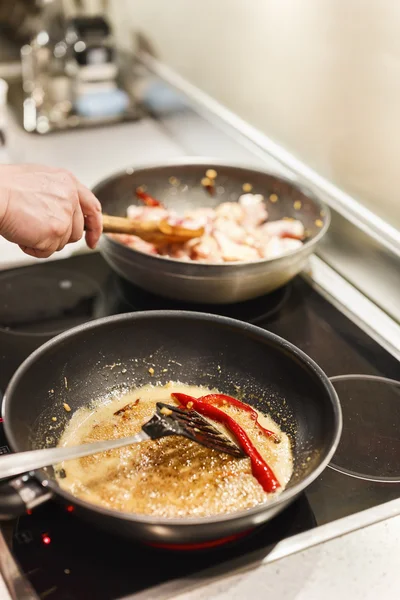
[42,209]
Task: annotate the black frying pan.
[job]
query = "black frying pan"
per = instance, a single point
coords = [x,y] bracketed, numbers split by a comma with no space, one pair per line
[197,349]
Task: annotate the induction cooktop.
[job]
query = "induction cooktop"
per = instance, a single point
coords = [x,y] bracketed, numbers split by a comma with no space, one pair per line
[66,558]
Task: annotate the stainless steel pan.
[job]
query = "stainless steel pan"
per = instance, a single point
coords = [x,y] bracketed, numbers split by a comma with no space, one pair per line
[205,283]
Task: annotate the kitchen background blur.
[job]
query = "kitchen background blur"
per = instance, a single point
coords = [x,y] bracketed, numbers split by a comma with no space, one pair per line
[320,77]
[318,80]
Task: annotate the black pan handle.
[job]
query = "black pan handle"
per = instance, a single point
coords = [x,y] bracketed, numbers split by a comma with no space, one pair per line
[21,494]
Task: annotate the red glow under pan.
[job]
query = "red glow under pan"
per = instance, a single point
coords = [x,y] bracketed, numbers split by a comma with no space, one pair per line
[203,545]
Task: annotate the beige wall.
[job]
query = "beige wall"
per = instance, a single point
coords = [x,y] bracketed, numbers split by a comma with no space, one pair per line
[321,77]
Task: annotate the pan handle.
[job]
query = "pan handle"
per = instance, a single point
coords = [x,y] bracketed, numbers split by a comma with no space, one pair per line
[21,494]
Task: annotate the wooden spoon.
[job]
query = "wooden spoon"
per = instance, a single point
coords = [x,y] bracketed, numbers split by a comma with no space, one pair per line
[157,232]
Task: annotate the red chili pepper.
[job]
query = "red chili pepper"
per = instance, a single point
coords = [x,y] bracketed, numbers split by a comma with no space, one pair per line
[261,471]
[183,399]
[146,198]
[291,236]
[221,399]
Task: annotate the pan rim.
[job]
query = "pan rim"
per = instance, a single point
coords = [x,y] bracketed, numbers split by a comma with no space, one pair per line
[282,499]
[215,162]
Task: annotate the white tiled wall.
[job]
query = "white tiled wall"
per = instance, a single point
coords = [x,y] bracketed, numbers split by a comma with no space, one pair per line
[321,77]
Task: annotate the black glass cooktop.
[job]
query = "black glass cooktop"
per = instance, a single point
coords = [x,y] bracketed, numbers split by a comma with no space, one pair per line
[66,558]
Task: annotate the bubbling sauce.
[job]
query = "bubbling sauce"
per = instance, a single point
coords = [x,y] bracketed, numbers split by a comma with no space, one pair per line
[170,477]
